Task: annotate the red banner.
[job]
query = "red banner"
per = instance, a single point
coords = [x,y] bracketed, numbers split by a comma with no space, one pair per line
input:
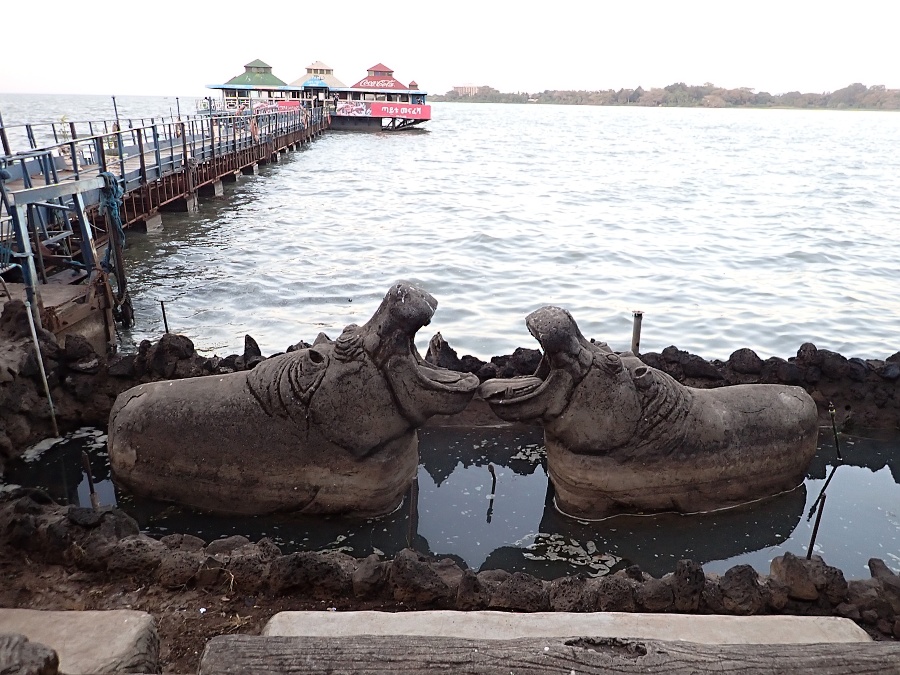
[406,111]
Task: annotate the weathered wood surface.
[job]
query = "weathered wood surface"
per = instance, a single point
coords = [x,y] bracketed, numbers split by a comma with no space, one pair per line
[450,656]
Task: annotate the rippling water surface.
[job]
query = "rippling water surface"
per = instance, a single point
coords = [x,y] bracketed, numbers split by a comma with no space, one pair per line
[728,228]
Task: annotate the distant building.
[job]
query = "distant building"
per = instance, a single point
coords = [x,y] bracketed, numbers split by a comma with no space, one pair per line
[256,85]
[320,71]
[467,90]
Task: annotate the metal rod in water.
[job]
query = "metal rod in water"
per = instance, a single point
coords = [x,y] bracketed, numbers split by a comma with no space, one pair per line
[821,496]
[86,463]
[837,443]
[636,332]
[165,321]
[812,540]
[116,109]
[493,494]
[40,360]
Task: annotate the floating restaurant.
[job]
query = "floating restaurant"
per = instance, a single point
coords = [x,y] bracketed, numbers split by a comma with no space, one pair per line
[379,101]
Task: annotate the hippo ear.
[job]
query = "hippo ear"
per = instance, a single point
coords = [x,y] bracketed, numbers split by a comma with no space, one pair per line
[642,377]
[610,363]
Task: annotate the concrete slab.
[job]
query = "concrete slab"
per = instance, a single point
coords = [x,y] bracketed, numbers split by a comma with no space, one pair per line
[505,626]
[115,641]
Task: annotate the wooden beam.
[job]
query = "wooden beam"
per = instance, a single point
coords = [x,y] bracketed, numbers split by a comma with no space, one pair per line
[411,654]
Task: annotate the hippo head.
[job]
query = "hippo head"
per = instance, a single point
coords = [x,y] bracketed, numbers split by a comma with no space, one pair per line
[567,359]
[585,395]
[420,389]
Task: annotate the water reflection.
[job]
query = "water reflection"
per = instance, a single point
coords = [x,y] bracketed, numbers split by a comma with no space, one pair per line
[482,497]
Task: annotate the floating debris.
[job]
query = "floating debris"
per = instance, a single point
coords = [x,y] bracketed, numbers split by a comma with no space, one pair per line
[556,547]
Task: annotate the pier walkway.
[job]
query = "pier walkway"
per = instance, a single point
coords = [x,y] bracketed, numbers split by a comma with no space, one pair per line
[81,184]
[161,164]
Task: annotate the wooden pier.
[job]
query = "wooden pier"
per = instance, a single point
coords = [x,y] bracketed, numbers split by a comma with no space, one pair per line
[61,201]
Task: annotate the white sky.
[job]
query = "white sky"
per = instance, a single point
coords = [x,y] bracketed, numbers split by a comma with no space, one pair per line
[176,48]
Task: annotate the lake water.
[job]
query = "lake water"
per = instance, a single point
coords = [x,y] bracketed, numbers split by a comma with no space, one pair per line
[728,228]
[457,509]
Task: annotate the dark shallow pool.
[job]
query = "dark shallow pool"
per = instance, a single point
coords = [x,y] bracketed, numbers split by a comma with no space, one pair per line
[482,496]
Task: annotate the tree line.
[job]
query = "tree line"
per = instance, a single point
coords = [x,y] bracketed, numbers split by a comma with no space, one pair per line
[854,97]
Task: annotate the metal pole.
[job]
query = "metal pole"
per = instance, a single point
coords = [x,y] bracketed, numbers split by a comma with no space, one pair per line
[86,463]
[837,443]
[165,322]
[40,360]
[636,332]
[178,107]
[116,109]
[3,139]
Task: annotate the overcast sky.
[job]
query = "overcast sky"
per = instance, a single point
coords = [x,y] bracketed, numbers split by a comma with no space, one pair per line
[176,48]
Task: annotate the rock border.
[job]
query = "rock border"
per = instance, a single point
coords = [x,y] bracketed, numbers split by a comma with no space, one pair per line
[108,543]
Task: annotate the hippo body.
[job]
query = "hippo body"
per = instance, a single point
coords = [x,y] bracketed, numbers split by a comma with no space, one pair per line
[328,429]
[623,437]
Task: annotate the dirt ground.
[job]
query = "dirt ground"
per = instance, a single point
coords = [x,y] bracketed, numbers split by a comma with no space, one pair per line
[186,618]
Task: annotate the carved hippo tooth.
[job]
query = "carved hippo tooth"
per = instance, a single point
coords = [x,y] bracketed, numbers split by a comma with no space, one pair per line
[327,429]
[622,436]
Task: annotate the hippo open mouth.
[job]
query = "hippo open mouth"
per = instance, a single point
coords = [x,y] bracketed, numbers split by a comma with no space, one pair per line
[567,358]
[420,389]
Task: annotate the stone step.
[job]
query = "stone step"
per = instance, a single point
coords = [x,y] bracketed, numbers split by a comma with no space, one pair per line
[705,629]
[88,642]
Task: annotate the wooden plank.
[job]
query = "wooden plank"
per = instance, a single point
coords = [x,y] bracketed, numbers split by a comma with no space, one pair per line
[413,654]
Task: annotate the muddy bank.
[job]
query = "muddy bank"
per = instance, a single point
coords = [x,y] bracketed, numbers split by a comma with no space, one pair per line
[100,558]
[84,384]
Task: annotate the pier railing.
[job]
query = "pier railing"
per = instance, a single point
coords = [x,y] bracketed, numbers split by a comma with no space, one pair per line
[50,221]
[163,160]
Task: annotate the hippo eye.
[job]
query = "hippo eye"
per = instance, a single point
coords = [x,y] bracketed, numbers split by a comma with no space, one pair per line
[316,357]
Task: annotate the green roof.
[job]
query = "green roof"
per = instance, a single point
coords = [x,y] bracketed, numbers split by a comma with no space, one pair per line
[257,74]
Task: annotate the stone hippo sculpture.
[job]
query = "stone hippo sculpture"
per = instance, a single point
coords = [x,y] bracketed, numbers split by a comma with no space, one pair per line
[624,437]
[328,429]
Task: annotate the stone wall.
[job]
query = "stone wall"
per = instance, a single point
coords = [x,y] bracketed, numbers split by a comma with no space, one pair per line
[107,543]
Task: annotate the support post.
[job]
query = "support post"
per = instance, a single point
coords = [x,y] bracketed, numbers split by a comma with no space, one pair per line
[29,272]
[636,332]
[3,139]
[40,361]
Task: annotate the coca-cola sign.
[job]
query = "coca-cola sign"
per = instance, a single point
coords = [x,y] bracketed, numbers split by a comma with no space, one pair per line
[389,83]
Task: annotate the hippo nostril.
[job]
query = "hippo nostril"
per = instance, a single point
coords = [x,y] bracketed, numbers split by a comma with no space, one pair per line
[316,357]
[640,372]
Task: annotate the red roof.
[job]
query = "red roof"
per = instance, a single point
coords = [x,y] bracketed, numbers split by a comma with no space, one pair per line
[413,85]
[381,67]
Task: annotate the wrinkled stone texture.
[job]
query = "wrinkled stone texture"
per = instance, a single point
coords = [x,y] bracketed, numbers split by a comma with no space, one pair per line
[328,429]
[625,437]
